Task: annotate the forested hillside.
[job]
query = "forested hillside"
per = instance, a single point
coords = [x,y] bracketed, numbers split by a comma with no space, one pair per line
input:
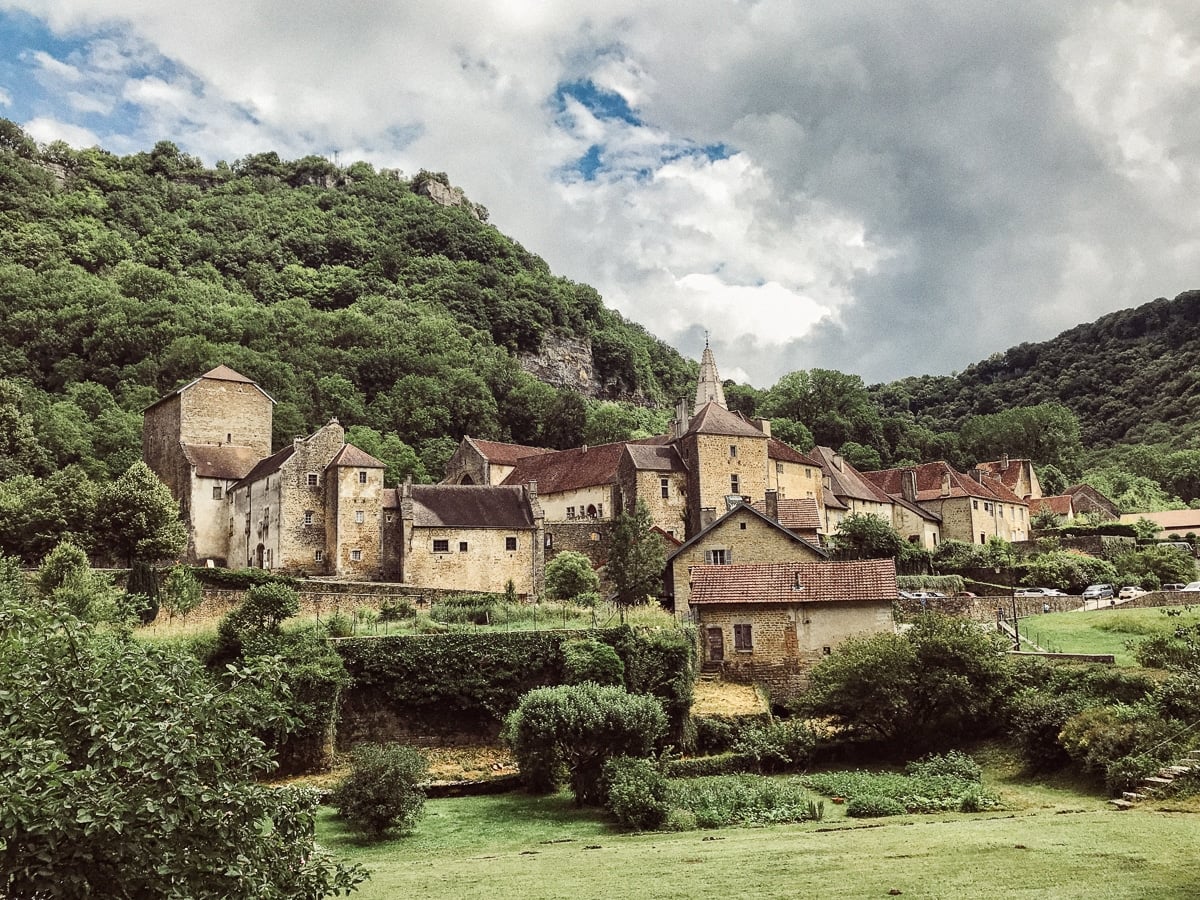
[343,291]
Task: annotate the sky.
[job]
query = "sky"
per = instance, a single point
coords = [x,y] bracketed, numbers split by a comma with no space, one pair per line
[882,189]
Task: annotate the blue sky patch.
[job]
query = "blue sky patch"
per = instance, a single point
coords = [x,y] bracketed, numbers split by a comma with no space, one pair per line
[600,103]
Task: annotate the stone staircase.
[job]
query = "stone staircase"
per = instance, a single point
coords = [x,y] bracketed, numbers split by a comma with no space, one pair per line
[710,671]
[1157,784]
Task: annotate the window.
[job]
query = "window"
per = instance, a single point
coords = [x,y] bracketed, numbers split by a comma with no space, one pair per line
[808,473]
[733,449]
[778,468]
[664,487]
[734,485]
[549,541]
[355,556]
[982,538]
[462,546]
[216,492]
[312,479]
[510,543]
[228,438]
[827,651]
[599,510]
[387,516]
[441,546]
[742,525]
[318,555]
[719,557]
[594,536]
[974,504]
[935,540]
[359,517]
[570,512]
[362,477]
[308,517]
[742,638]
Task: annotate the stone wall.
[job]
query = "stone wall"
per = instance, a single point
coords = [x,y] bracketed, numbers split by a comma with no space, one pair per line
[592,539]
[358,520]
[712,465]
[485,562]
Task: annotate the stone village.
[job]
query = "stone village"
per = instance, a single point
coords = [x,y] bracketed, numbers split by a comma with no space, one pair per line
[745,517]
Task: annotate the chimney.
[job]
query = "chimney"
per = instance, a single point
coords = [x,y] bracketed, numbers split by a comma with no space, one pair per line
[772,504]
[583,449]
[532,489]
[1004,462]
[838,462]
[977,474]
[945,484]
[679,426]
[908,485]
[763,425]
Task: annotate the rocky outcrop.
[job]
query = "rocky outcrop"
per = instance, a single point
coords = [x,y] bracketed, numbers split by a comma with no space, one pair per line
[564,362]
[445,195]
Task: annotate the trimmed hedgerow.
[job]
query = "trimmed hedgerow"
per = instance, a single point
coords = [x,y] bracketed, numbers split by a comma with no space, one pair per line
[720,764]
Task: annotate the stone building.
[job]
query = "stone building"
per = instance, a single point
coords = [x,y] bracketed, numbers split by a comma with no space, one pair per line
[769,623]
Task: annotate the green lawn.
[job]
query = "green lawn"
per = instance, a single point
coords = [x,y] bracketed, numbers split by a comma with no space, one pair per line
[1052,841]
[1103,631]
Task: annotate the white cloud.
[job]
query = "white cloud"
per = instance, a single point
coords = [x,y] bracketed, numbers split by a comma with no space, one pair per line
[5,97]
[44,130]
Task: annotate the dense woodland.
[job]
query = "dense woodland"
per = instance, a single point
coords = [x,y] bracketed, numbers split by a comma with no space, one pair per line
[346,292]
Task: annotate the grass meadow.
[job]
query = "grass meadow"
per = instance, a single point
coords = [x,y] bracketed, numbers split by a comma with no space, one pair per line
[1105,630]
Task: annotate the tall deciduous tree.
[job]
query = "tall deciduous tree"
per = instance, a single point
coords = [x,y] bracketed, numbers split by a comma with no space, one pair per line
[636,558]
[867,536]
[140,517]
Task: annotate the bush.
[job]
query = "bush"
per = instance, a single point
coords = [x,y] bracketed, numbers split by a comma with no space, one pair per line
[778,746]
[339,626]
[383,791]
[1128,772]
[398,611]
[464,609]
[592,660]
[870,806]
[743,800]
[636,792]
[954,764]
[721,764]
[714,734]
[1036,720]
[570,574]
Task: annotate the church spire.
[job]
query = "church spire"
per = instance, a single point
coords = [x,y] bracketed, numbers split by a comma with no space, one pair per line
[709,387]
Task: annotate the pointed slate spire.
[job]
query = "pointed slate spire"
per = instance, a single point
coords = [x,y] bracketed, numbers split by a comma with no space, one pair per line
[709,387]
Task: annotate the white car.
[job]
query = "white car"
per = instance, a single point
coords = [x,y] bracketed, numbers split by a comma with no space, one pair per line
[1193,586]
[1129,592]
[1039,592]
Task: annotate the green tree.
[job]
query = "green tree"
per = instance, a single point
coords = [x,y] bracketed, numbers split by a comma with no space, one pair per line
[1047,433]
[836,407]
[570,574]
[129,774]
[181,592]
[383,792]
[867,536]
[578,728]
[140,517]
[636,558]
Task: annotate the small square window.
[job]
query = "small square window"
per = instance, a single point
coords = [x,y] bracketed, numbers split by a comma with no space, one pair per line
[974,504]
[719,557]
[308,517]
[734,485]
[356,556]
[733,449]
[570,512]
[462,546]
[664,487]
[441,546]
[319,555]
[510,543]
[742,638]
[359,516]
[742,525]
[827,651]
[362,477]
[312,479]
[594,536]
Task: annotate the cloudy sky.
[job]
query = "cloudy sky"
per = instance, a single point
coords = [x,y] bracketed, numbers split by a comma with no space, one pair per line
[884,189]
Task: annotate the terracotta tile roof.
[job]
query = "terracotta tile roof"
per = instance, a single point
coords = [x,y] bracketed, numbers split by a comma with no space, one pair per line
[504,454]
[1059,504]
[777,449]
[352,457]
[930,478]
[220,460]
[742,507]
[799,514]
[1171,518]
[265,467]
[1008,474]
[823,582]
[568,470]
[470,506]
[220,373]
[847,481]
[654,458]
[715,419]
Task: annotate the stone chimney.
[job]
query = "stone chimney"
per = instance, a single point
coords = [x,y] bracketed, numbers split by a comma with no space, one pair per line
[1003,462]
[680,423]
[908,485]
[838,462]
[945,484]
[763,425]
[772,504]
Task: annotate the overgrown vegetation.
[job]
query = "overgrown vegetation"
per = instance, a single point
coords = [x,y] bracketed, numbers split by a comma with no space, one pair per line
[383,791]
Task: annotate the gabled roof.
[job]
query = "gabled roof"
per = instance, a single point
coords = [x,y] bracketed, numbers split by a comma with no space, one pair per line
[712,418]
[742,507]
[1059,504]
[847,481]
[777,449]
[352,457]
[931,476]
[222,461]
[568,470]
[798,514]
[265,467]
[1171,518]
[1007,471]
[470,506]
[823,582]
[504,454]
[653,458]
[913,508]
[220,373]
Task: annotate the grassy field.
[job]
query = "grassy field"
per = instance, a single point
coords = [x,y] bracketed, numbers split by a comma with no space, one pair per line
[1104,631]
[1053,840]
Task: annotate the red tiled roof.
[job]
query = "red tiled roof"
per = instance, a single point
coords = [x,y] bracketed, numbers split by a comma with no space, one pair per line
[847,481]
[712,418]
[737,510]
[929,483]
[1059,504]
[505,454]
[1008,474]
[220,460]
[777,449]
[352,457]
[470,506]
[824,582]
[799,514]
[568,470]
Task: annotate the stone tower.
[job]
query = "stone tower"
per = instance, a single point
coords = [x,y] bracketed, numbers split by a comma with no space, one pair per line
[709,386]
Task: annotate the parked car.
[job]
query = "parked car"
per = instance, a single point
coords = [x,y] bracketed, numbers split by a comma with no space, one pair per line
[966,595]
[1039,592]
[1129,592]
[1172,587]
[1191,586]
[1100,592]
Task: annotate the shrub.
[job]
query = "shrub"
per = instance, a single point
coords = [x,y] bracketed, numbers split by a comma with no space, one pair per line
[743,800]
[870,806]
[383,791]
[954,764]
[1036,720]
[721,764]
[464,609]
[580,727]
[778,746]
[1128,772]
[914,793]
[592,660]
[636,792]
[339,626]
[714,734]
[570,574]
[398,611]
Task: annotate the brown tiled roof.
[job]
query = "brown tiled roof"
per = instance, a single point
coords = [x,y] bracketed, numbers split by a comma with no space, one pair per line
[777,449]
[671,541]
[798,514]
[1086,490]
[1059,504]
[823,582]
[470,506]
[568,470]
[654,458]
[712,418]
[848,481]
[1008,475]
[743,507]
[220,460]
[929,484]
[352,457]
[266,467]
[1171,518]
[504,454]
[220,373]
[832,502]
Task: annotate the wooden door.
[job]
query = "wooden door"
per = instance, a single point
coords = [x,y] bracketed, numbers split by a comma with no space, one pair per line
[716,644]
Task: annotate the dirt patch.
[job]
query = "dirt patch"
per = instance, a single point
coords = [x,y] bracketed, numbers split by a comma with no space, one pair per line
[721,698]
